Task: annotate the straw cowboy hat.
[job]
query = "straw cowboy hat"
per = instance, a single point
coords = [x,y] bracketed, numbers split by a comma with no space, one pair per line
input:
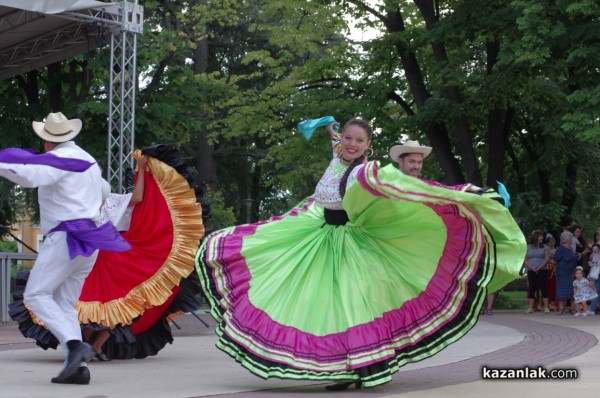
[409,147]
[57,128]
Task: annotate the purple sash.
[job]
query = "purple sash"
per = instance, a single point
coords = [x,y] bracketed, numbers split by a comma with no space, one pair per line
[29,156]
[83,237]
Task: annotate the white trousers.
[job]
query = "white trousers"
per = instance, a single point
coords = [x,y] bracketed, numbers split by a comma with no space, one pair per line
[54,286]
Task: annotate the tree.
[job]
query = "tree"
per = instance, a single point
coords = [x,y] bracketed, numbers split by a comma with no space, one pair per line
[505,90]
[471,78]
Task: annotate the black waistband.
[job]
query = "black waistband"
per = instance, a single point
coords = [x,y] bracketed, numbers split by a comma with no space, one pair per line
[336,217]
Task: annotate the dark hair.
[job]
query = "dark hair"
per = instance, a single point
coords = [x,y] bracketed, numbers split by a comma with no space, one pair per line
[582,238]
[535,236]
[365,126]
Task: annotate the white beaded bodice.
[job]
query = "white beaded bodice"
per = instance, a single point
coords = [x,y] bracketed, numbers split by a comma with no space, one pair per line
[327,192]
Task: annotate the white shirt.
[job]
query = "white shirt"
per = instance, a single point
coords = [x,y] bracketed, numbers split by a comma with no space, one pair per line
[574,242]
[62,195]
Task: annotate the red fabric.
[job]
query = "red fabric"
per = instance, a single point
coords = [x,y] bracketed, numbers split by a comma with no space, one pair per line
[151,236]
[152,315]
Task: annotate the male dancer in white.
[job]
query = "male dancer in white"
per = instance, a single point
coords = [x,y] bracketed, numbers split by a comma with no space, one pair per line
[71,191]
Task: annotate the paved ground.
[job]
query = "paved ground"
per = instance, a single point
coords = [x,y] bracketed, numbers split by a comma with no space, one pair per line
[192,367]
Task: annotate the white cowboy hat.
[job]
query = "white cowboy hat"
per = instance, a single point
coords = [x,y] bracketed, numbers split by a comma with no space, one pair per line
[57,128]
[409,147]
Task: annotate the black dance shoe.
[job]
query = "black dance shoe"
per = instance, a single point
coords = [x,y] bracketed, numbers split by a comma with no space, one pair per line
[83,352]
[344,386]
[81,376]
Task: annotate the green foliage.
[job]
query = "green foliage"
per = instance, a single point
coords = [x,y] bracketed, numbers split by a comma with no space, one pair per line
[534,213]
[510,300]
[7,215]
[587,207]
[8,246]
[221,216]
[16,203]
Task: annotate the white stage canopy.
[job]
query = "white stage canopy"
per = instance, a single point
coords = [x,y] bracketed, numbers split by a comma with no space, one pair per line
[37,33]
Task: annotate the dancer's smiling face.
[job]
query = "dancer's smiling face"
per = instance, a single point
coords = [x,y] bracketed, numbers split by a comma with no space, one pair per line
[355,142]
[411,164]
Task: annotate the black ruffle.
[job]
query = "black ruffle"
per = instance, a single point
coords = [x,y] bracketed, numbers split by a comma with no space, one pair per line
[121,346]
[171,156]
[123,343]
[187,300]
[42,336]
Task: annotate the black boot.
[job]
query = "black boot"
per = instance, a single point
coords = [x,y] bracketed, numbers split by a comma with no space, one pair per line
[82,376]
[78,352]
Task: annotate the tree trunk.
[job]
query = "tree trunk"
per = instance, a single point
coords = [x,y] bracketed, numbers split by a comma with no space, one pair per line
[516,168]
[569,194]
[206,155]
[55,98]
[496,147]
[201,56]
[464,144]
[498,130]
[30,87]
[242,168]
[256,193]
[205,161]
[436,134]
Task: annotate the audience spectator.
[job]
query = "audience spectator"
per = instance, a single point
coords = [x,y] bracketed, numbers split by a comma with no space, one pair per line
[583,291]
[566,261]
[536,262]
[551,248]
[594,262]
[596,238]
[579,245]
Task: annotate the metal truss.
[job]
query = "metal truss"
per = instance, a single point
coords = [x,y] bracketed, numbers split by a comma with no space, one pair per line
[54,37]
[123,76]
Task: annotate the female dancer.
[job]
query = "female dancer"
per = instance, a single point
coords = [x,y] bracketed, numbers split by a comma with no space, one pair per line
[131,295]
[374,271]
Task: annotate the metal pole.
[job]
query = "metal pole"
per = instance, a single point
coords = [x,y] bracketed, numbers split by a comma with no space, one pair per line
[248,203]
[4,287]
[5,272]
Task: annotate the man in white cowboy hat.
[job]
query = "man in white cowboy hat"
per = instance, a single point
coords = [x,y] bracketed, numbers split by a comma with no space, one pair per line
[410,156]
[70,193]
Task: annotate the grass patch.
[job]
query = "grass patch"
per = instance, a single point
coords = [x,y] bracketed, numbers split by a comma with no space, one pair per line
[510,300]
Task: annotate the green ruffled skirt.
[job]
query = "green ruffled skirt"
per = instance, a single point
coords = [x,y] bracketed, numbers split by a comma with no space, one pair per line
[297,298]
